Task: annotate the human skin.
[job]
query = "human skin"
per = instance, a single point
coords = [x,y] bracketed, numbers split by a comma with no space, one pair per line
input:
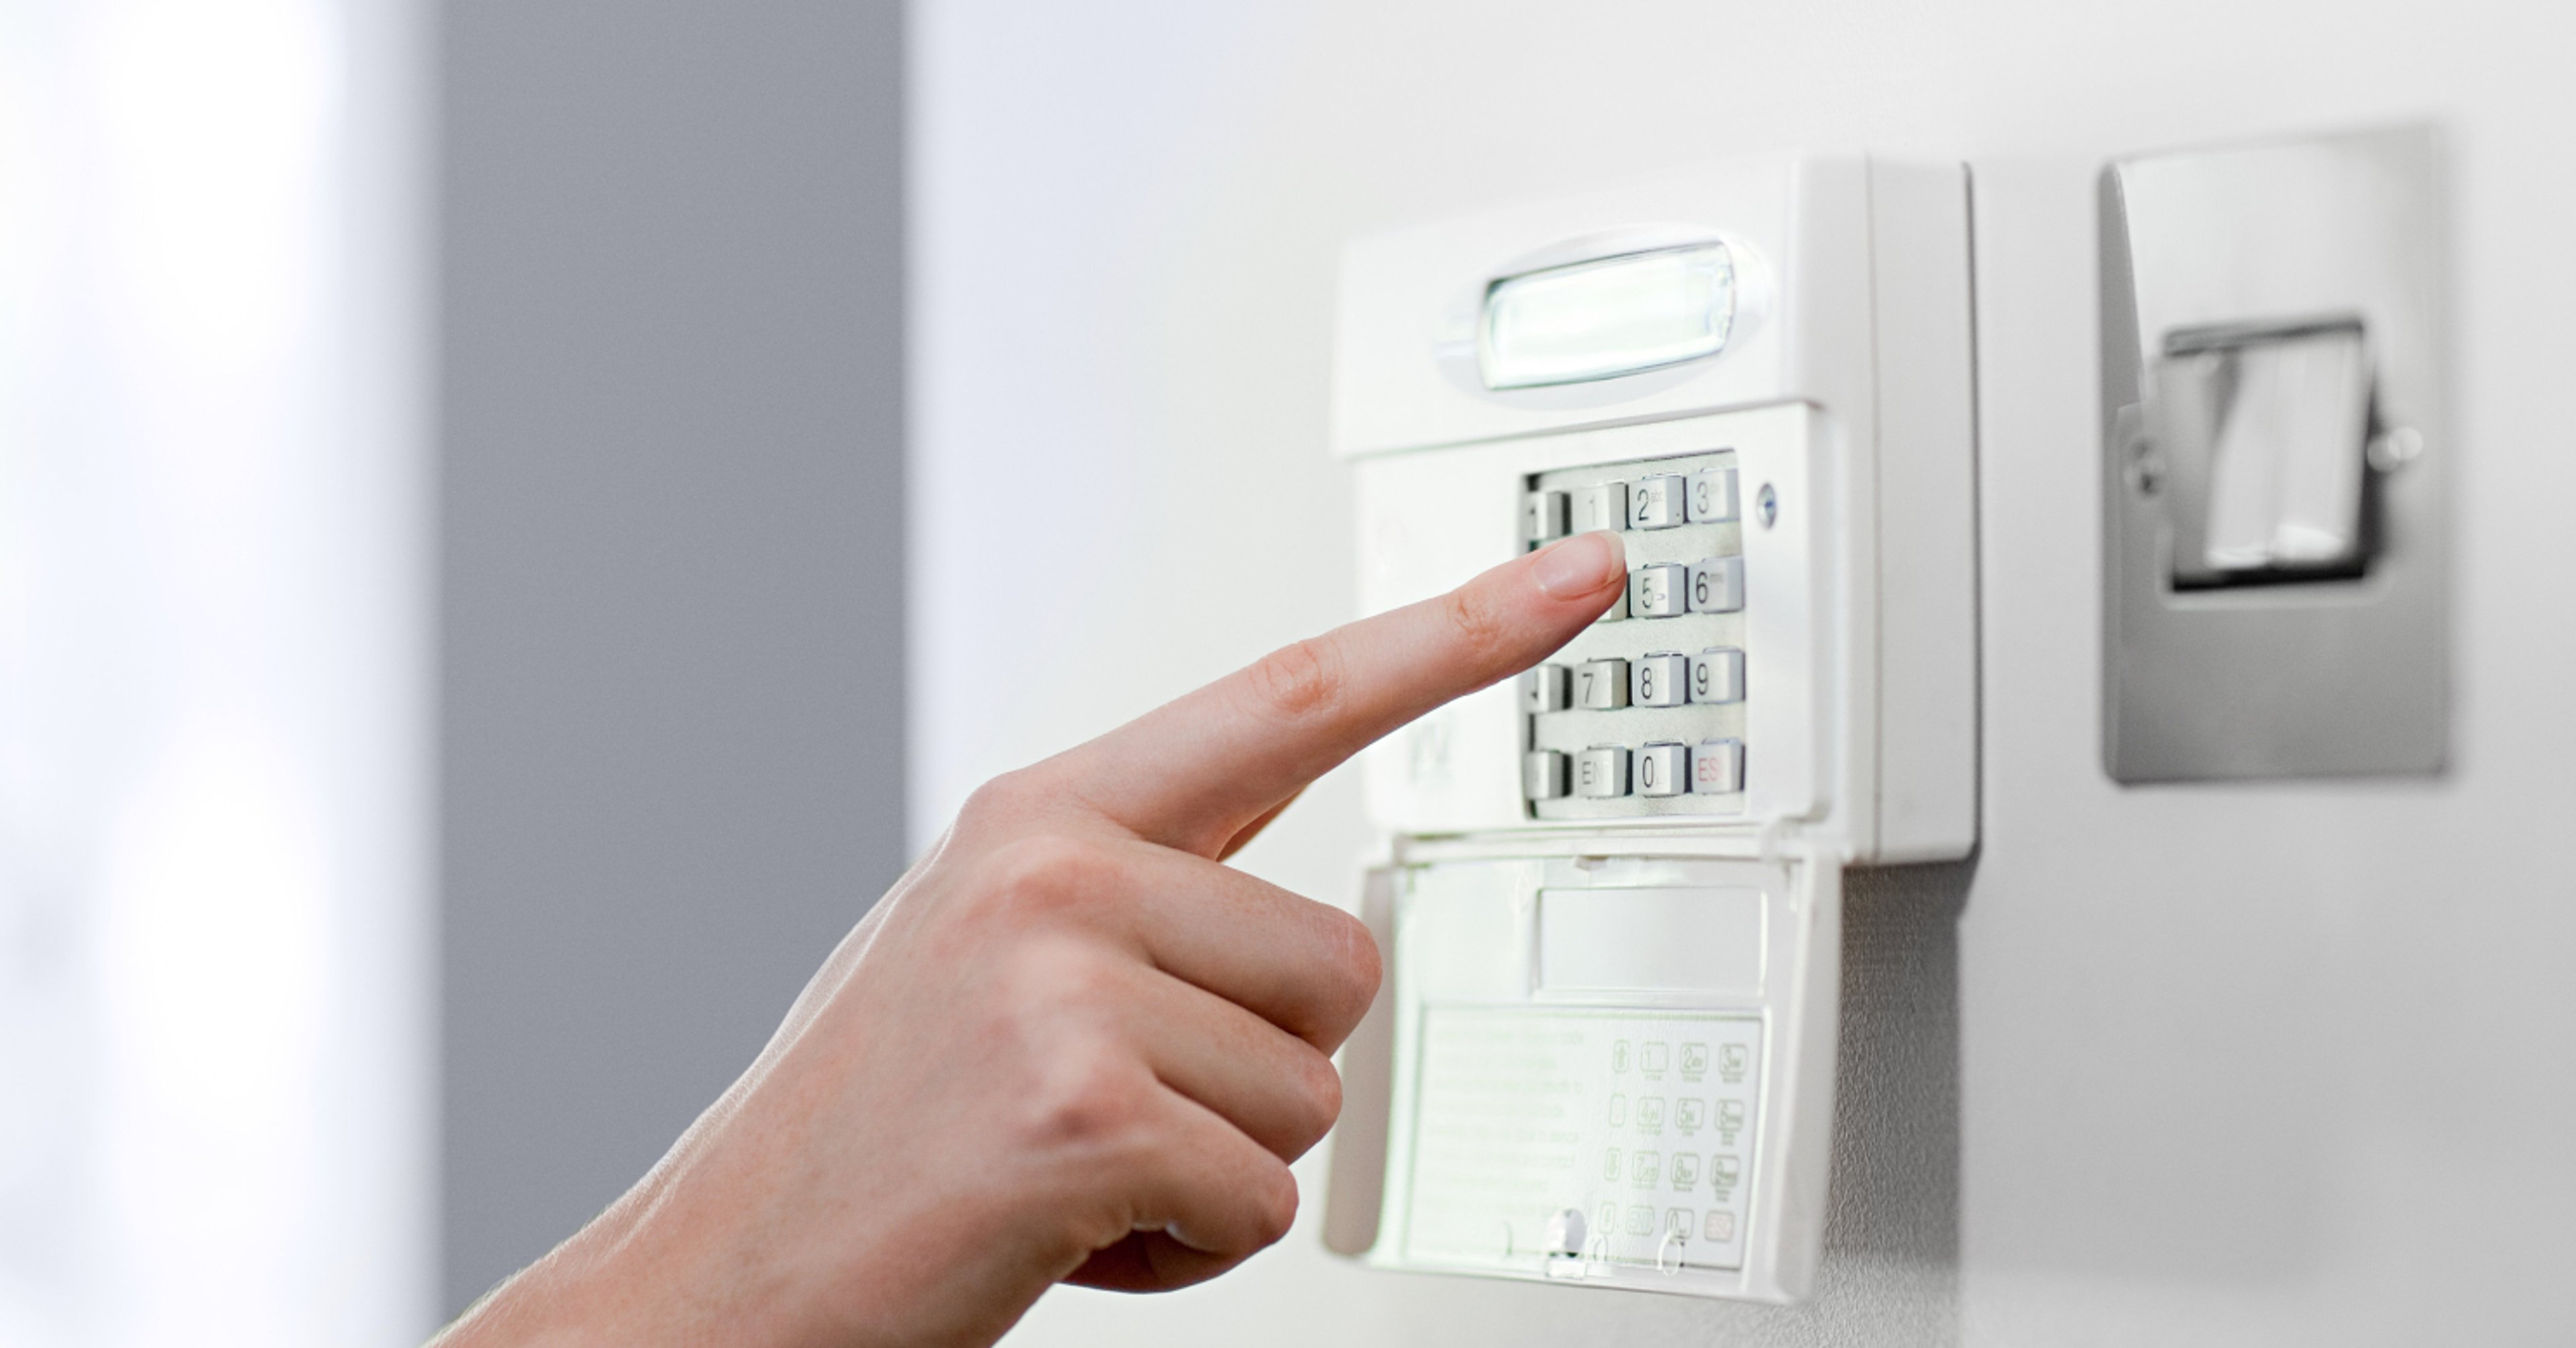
[1070,1045]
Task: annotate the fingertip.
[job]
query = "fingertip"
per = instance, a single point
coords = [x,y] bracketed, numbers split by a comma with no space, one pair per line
[1580,567]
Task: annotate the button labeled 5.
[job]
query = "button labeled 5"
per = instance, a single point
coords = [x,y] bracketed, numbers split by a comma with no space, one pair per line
[1656,591]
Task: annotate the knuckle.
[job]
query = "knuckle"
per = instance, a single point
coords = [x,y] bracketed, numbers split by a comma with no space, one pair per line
[1087,1101]
[996,803]
[1046,870]
[1275,1210]
[1319,1095]
[1356,967]
[1302,680]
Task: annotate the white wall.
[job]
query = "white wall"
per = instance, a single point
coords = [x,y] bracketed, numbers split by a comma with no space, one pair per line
[2206,1065]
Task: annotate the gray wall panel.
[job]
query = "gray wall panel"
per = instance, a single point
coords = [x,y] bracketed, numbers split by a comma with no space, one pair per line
[671,607]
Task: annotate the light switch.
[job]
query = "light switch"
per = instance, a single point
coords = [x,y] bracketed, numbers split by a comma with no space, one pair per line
[2266,434]
[2276,546]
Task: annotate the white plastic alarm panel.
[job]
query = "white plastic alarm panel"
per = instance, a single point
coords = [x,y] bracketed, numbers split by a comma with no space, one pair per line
[1611,891]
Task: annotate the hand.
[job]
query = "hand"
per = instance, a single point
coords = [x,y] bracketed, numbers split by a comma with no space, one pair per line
[1070,1045]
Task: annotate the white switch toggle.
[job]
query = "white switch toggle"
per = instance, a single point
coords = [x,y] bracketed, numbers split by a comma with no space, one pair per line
[2267,436]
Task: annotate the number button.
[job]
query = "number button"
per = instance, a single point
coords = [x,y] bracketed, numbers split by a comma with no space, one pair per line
[1656,591]
[1544,689]
[1717,585]
[1712,496]
[1656,503]
[1601,507]
[1717,675]
[1657,681]
[1601,772]
[1663,770]
[1601,685]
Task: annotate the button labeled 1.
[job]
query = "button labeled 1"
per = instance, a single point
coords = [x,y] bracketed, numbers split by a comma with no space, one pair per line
[1601,507]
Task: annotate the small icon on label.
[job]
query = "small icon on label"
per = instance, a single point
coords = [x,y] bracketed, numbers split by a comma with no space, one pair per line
[1610,1164]
[1694,1061]
[1618,1110]
[1687,1114]
[1650,1114]
[1619,1056]
[1655,1057]
[1646,1169]
[1641,1220]
[1720,1225]
[1731,1061]
[1685,1170]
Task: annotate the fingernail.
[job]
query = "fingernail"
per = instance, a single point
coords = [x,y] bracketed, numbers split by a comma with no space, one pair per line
[1580,566]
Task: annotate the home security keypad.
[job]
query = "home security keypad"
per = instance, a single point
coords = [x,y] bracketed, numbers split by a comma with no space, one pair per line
[1643,714]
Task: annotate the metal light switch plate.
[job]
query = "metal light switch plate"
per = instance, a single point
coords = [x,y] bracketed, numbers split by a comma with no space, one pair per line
[2276,568]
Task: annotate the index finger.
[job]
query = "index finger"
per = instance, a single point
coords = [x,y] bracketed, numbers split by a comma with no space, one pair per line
[1193,772]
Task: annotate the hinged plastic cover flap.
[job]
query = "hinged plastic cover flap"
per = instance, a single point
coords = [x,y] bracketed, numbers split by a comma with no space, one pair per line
[1608,1071]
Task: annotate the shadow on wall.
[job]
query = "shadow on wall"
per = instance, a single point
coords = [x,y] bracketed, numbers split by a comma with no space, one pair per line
[1892,1230]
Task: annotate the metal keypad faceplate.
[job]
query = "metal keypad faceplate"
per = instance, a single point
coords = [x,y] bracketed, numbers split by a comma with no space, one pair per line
[1681,524]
